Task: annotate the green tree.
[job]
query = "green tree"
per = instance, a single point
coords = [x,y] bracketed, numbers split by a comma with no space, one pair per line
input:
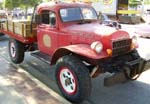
[24,4]
[28,3]
[10,4]
[134,3]
[1,5]
[146,1]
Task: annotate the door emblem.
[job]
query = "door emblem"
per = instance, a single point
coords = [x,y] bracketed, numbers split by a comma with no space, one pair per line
[47,40]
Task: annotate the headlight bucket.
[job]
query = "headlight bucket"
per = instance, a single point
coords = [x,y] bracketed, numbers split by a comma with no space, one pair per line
[97,46]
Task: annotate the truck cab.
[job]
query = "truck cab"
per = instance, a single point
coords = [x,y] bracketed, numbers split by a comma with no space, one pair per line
[71,25]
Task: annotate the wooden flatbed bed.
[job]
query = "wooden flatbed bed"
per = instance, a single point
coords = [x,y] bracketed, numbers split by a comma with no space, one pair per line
[20,30]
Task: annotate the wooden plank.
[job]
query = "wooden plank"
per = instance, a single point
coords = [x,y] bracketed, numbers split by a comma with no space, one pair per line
[22,28]
[10,26]
[4,26]
[18,28]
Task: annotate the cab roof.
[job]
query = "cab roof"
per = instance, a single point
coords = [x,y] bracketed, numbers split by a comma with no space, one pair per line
[59,5]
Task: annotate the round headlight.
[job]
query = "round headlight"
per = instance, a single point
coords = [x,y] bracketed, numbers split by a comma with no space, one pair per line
[97,46]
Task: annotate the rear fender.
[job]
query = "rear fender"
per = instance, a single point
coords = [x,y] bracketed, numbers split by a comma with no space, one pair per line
[84,51]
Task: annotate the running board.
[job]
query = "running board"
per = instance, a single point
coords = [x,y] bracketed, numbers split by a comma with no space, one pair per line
[42,56]
[115,79]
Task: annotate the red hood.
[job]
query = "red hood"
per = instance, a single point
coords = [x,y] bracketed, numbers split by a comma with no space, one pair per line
[92,28]
[90,32]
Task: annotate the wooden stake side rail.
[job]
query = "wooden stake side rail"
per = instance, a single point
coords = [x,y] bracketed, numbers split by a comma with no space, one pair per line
[19,30]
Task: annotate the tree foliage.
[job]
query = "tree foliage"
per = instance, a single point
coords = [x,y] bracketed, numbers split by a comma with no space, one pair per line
[20,3]
[1,5]
[29,3]
[134,3]
[146,1]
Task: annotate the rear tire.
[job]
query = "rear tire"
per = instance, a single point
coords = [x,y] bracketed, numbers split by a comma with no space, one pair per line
[73,79]
[16,51]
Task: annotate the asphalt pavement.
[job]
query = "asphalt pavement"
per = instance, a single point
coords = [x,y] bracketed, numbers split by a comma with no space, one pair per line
[133,92]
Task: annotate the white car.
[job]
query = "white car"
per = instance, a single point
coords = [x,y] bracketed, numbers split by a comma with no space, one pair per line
[141,30]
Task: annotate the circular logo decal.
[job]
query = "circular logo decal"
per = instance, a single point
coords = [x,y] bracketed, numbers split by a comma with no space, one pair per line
[47,40]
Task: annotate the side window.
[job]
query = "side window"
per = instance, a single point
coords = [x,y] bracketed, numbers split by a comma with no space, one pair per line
[45,17]
[52,18]
[48,17]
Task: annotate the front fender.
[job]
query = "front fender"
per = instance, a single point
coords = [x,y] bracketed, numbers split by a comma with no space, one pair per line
[82,50]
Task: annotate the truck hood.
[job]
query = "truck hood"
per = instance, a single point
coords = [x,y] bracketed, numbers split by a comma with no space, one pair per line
[90,32]
[90,28]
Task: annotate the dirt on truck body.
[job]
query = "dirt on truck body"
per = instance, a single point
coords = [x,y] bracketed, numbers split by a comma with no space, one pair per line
[70,36]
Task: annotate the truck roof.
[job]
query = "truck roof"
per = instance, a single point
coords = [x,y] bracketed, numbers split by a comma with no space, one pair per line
[59,5]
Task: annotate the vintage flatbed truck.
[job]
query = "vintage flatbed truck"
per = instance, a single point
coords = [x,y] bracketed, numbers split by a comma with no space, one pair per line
[71,37]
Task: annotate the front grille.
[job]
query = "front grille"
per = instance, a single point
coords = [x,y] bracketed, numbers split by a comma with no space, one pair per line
[121,46]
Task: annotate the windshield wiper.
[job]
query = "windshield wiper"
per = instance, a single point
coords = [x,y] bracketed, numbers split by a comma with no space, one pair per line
[83,21]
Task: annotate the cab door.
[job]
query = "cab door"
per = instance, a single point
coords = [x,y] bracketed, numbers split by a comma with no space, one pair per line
[47,32]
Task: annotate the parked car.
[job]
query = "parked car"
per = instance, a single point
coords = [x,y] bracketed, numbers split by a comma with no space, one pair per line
[140,29]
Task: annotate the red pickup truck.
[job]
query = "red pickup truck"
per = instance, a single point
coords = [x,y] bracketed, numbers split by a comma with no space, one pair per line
[70,36]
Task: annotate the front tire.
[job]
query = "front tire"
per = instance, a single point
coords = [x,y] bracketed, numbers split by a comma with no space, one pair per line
[73,78]
[16,51]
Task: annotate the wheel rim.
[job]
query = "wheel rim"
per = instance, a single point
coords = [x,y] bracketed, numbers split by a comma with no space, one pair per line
[12,50]
[68,81]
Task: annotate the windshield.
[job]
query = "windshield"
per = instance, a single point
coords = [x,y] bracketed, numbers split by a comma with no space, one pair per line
[75,14]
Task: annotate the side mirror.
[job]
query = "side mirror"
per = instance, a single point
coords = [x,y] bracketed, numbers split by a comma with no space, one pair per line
[119,26]
[37,19]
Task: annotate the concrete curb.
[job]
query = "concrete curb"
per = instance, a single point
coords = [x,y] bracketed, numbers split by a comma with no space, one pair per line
[46,88]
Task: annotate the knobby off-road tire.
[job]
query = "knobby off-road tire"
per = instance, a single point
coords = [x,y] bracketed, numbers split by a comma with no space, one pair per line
[16,51]
[73,79]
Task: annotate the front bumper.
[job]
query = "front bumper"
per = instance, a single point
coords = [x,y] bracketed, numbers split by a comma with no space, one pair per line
[140,65]
[131,71]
